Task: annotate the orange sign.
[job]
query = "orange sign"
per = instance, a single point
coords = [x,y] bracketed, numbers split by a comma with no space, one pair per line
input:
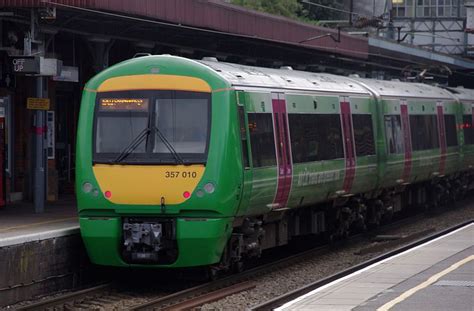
[37,103]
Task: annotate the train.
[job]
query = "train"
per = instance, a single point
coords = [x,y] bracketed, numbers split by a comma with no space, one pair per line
[186,163]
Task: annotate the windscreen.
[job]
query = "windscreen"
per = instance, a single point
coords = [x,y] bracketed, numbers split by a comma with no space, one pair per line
[152,127]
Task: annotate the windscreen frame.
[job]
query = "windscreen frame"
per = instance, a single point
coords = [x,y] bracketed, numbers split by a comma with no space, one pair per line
[150,158]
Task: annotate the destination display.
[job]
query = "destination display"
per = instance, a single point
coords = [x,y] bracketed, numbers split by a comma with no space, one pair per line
[124,104]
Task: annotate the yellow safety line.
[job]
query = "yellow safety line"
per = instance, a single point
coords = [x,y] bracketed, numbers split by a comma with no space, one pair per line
[425,284]
[37,224]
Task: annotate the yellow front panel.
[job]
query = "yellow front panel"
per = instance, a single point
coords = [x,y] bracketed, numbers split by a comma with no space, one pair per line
[154,82]
[146,185]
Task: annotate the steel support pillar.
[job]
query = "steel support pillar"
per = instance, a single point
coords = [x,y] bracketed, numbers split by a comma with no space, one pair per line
[40,161]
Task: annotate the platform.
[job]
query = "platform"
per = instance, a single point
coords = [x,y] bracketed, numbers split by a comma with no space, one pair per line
[437,275]
[20,224]
[40,253]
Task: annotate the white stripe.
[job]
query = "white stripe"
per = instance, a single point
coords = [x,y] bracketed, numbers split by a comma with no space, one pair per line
[39,236]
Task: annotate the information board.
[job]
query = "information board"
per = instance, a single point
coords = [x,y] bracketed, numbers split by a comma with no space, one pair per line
[37,103]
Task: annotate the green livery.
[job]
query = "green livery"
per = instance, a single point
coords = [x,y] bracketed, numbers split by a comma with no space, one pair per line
[184,163]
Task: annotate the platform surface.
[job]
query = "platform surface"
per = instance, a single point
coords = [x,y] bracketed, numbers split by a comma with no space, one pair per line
[20,224]
[438,275]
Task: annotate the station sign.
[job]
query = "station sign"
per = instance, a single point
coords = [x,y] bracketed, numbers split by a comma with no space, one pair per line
[37,103]
[68,74]
[26,65]
[36,65]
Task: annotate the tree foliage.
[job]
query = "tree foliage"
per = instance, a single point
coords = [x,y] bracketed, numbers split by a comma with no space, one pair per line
[315,12]
[288,8]
[297,9]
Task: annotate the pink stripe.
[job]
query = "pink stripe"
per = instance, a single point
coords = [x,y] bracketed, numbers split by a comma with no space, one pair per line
[349,147]
[285,168]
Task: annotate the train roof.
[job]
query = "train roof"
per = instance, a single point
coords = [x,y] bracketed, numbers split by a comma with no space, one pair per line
[286,78]
[248,76]
[462,93]
[399,89]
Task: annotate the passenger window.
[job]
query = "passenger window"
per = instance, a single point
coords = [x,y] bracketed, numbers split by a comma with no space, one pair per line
[262,139]
[468,130]
[424,132]
[243,137]
[394,134]
[315,137]
[451,135]
[363,134]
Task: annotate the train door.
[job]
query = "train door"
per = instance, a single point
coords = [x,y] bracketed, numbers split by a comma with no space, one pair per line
[442,136]
[348,133]
[283,150]
[247,177]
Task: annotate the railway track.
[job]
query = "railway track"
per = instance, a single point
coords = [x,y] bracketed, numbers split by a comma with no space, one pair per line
[72,299]
[193,296]
[108,294]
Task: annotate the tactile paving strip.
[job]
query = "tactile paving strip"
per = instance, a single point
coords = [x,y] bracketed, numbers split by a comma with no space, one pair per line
[455,283]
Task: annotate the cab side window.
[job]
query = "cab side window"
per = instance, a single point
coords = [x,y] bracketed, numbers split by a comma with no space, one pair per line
[262,139]
[243,137]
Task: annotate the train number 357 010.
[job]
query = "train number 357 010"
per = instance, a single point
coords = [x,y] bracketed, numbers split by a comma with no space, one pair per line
[177,174]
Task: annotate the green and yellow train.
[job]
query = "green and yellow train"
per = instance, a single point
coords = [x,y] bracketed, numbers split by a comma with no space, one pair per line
[184,163]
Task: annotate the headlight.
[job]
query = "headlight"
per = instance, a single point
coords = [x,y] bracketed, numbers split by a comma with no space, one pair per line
[200,193]
[87,187]
[209,188]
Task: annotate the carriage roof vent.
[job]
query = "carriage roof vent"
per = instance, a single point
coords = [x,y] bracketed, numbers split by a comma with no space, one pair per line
[210,59]
[354,75]
[141,55]
[286,68]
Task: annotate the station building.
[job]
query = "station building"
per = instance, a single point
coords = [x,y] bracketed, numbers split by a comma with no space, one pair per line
[49,49]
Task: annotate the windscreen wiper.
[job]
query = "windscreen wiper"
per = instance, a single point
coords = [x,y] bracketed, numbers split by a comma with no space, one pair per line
[132,145]
[168,145]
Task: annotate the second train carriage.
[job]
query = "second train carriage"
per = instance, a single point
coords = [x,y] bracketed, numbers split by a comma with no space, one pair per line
[466,98]
[187,163]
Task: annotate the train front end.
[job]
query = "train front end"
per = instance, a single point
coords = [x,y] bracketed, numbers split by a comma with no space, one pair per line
[154,174]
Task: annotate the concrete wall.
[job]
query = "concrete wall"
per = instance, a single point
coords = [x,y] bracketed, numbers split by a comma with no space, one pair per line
[39,268]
